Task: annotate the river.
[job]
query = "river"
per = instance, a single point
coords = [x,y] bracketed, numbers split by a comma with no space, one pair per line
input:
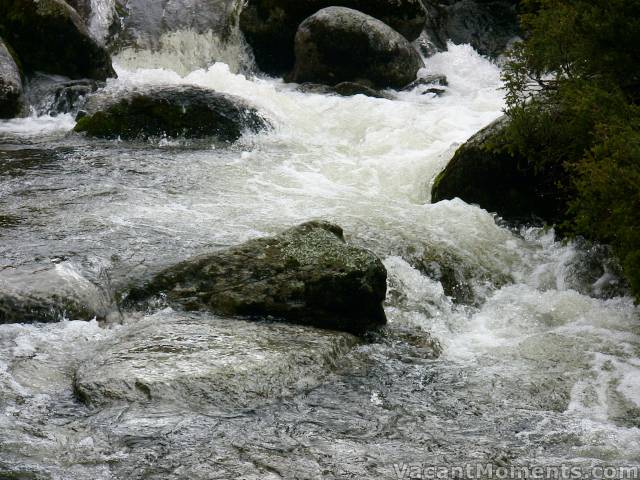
[538,366]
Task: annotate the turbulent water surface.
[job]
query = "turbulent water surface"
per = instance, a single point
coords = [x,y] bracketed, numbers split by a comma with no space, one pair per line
[537,366]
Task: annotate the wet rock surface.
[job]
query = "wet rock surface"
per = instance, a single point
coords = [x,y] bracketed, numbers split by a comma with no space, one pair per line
[344,89]
[339,44]
[11,94]
[177,111]
[487,25]
[226,363]
[49,36]
[306,275]
[270,26]
[142,23]
[52,95]
[52,294]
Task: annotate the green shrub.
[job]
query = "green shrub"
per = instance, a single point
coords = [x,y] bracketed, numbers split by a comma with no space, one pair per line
[573,89]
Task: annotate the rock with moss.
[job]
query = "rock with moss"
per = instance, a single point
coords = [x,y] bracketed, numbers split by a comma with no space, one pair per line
[483,171]
[307,275]
[49,36]
[270,25]
[173,111]
[11,92]
[340,44]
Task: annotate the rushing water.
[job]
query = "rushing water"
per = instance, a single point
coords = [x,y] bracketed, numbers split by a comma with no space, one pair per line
[537,365]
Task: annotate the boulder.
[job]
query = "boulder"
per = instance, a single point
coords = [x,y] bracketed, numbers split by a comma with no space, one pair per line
[484,172]
[174,111]
[306,275]
[270,25]
[487,25]
[194,359]
[49,36]
[11,95]
[339,44]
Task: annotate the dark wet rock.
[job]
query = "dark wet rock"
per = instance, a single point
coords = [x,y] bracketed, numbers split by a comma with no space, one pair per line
[174,111]
[49,36]
[11,93]
[227,364]
[306,275]
[428,81]
[339,44]
[345,89]
[488,25]
[51,294]
[485,173]
[430,84]
[270,25]
[52,94]
[142,23]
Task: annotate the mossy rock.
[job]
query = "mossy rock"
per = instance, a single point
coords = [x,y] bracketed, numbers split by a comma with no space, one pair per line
[484,172]
[173,111]
[49,36]
[270,25]
[306,275]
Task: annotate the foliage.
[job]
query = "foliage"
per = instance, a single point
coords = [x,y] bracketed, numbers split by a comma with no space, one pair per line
[573,95]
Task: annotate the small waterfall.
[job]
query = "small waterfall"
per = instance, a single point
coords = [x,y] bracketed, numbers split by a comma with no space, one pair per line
[180,35]
[103,13]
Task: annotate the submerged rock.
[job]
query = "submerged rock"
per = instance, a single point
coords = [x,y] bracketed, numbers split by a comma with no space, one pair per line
[487,25]
[192,359]
[306,275]
[485,173]
[270,25]
[344,89]
[52,94]
[49,36]
[11,95]
[174,111]
[51,294]
[343,45]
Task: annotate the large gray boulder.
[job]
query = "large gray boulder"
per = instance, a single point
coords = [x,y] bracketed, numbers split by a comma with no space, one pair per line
[49,36]
[11,94]
[270,25]
[306,275]
[226,363]
[339,44]
[484,171]
[174,111]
